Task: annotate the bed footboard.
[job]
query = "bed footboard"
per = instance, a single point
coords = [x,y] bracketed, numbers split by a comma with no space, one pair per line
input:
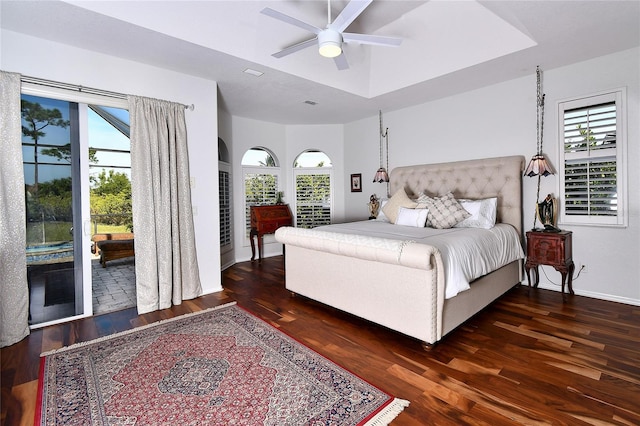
[404,292]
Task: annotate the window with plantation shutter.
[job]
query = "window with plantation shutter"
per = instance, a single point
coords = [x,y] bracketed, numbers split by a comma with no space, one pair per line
[261,175]
[593,174]
[259,189]
[225,206]
[312,174]
[313,199]
[224,196]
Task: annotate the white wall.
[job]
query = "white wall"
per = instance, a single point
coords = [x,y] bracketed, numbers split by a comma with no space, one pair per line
[44,59]
[501,120]
[362,155]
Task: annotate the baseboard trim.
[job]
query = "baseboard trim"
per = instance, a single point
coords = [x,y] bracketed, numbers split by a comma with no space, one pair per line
[592,294]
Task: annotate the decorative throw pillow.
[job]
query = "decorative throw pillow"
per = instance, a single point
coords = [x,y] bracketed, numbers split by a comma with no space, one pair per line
[381,217]
[399,199]
[444,211]
[412,217]
[483,213]
[422,201]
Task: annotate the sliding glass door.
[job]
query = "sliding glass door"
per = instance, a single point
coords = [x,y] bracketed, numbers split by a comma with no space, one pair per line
[76,159]
[51,152]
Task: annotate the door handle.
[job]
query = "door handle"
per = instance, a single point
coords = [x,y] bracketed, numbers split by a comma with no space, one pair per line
[86,227]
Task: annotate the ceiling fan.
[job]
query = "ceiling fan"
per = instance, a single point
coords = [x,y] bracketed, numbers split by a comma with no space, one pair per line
[331,38]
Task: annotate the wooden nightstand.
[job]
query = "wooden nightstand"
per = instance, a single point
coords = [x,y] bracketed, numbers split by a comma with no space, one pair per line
[553,249]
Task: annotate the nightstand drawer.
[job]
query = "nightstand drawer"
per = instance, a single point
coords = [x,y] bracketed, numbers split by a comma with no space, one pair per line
[550,248]
[551,251]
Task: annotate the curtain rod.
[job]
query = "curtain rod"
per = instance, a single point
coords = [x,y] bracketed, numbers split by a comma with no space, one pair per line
[83,89]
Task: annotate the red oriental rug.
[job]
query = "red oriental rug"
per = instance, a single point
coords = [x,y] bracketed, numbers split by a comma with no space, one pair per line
[223,366]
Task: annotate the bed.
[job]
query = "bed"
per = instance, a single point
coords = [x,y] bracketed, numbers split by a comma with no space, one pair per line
[398,282]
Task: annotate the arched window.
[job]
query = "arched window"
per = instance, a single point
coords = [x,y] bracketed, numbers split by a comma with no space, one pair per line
[313,204]
[224,186]
[261,173]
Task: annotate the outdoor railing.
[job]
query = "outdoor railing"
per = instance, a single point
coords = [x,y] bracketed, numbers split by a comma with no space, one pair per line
[106,219]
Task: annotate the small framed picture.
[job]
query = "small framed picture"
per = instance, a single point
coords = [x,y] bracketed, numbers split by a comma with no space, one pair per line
[356,182]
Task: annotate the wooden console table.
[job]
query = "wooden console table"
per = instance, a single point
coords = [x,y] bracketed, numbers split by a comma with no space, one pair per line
[265,220]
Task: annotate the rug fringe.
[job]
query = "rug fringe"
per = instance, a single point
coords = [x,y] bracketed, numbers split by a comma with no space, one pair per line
[133,330]
[388,413]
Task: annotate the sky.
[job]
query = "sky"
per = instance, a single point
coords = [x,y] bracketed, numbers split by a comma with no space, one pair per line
[101,135]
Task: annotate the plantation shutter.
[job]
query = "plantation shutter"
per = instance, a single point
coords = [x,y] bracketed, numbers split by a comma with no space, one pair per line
[259,189]
[313,199]
[590,160]
[225,207]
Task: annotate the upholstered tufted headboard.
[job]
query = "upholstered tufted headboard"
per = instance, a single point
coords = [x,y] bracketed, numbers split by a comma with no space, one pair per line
[490,177]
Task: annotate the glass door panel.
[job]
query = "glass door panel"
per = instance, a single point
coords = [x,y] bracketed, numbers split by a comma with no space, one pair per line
[50,151]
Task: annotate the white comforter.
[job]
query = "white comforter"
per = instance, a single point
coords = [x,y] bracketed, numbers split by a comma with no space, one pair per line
[467,253]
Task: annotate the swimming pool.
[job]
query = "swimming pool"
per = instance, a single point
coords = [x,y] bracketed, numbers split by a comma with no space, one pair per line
[42,254]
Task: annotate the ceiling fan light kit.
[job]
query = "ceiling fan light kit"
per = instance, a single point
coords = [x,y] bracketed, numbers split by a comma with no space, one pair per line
[330,43]
[330,39]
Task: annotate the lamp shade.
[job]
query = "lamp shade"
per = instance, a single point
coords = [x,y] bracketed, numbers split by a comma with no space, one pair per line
[381,175]
[329,43]
[539,166]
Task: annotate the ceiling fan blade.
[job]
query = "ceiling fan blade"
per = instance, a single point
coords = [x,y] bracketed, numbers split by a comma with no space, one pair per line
[341,62]
[296,47]
[351,11]
[371,39]
[290,20]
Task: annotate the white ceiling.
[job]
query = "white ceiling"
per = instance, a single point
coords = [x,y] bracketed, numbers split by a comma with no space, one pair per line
[448,47]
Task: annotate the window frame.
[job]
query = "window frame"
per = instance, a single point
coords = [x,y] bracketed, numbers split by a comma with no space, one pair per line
[619,96]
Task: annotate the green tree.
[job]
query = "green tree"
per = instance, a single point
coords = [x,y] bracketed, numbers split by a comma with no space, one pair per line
[269,162]
[52,203]
[111,199]
[112,183]
[64,153]
[37,118]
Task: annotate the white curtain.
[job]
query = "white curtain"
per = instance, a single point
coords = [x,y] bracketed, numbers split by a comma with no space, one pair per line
[14,290]
[166,263]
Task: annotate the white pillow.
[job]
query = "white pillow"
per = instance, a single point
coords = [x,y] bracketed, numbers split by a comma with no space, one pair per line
[483,213]
[399,199]
[412,217]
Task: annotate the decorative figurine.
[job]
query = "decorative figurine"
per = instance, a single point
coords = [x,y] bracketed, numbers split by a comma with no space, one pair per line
[547,212]
[374,206]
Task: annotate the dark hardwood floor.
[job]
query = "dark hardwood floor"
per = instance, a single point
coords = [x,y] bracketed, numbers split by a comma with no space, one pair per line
[529,358]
